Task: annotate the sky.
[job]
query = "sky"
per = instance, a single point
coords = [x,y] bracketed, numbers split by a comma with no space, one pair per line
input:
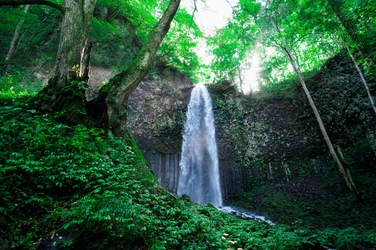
[212,15]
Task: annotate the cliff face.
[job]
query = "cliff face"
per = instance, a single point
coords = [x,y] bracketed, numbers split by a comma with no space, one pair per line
[156,112]
[276,135]
[265,137]
[156,116]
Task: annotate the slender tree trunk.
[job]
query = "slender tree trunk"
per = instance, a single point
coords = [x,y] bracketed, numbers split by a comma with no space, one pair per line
[346,174]
[337,42]
[16,37]
[325,44]
[359,71]
[110,107]
[363,79]
[241,80]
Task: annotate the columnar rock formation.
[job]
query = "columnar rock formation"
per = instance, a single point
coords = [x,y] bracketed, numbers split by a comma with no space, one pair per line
[265,137]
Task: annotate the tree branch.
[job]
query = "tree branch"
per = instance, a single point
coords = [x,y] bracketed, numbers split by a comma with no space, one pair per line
[232,7]
[120,87]
[194,10]
[43,2]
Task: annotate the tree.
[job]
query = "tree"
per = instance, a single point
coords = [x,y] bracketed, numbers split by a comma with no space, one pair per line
[231,44]
[177,49]
[24,2]
[279,40]
[350,27]
[370,97]
[345,172]
[332,25]
[283,25]
[65,91]
[113,98]
[16,37]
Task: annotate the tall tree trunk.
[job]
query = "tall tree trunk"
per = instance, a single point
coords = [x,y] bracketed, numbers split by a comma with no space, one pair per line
[325,44]
[74,35]
[339,46]
[16,37]
[65,91]
[345,173]
[110,107]
[362,78]
[358,69]
[241,80]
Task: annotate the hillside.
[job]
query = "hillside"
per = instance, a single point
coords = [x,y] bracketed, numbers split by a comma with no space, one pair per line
[68,186]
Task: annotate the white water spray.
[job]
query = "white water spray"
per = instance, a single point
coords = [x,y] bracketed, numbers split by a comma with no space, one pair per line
[199,178]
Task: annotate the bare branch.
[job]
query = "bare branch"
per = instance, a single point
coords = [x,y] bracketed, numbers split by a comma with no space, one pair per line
[232,7]
[194,10]
[24,2]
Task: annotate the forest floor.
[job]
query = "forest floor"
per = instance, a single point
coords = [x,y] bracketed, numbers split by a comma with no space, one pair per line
[71,186]
[316,201]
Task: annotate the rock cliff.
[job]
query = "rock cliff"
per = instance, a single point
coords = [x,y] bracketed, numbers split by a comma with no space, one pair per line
[267,137]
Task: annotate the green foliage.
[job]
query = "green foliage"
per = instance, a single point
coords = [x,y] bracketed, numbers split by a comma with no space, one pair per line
[179,45]
[14,84]
[37,30]
[300,205]
[309,30]
[9,88]
[9,17]
[138,14]
[114,46]
[95,191]
[46,166]
[288,88]
[231,45]
[349,238]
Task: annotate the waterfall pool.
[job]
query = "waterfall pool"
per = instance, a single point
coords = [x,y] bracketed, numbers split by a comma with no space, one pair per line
[245,214]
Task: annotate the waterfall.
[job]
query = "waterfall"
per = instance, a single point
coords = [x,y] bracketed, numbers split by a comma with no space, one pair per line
[199,177]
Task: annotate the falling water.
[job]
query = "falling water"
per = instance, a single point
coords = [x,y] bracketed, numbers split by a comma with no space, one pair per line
[199,177]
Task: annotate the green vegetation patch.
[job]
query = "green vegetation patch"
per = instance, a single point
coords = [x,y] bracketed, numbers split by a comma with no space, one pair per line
[74,186]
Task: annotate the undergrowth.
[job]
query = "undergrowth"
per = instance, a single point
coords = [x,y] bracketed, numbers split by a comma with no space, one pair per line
[15,84]
[287,88]
[316,201]
[78,188]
